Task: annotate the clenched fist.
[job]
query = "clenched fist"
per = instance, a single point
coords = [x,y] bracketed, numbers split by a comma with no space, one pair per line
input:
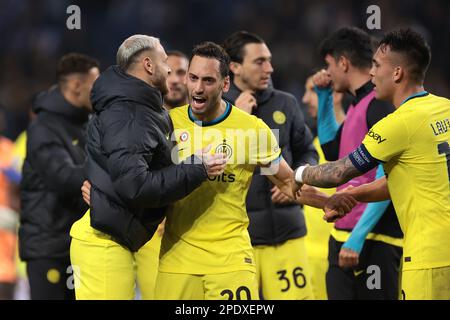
[322,79]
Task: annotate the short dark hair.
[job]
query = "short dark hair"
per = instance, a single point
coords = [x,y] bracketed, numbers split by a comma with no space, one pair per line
[234,44]
[412,47]
[351,42]
[212,50]
[176,53]
[74,63]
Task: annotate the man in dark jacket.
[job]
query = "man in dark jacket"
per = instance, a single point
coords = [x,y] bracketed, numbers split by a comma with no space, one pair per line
[131,170]
[53,173]
[277,225]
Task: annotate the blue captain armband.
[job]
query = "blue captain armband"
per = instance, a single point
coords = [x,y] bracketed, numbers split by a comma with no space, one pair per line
[363,160]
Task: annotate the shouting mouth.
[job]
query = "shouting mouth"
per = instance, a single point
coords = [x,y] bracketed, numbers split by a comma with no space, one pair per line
[198,102]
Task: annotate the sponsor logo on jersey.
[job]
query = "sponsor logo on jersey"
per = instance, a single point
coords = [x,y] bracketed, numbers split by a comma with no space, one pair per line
[376,136]
[224,177]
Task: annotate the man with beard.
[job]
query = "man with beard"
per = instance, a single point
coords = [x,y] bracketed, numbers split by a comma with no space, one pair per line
[206,251]
[131,171]
[147,258]
[176,81]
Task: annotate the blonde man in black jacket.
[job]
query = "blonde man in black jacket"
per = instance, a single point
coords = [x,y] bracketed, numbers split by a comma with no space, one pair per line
[131,170]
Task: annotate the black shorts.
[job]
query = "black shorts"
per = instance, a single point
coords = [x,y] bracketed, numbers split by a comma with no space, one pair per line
[377,259]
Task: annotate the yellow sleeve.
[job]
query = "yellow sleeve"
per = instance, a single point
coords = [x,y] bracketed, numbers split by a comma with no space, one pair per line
[387,138]
[264,149]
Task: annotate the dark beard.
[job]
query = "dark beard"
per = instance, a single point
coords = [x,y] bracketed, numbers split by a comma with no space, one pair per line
[174,103]
[162,87]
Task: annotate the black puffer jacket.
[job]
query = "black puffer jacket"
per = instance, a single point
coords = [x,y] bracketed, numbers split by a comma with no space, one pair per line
[272,223]
[53,173]
[129,160]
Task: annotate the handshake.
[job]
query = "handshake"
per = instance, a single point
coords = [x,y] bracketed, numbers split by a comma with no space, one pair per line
[338,205]
[335,206]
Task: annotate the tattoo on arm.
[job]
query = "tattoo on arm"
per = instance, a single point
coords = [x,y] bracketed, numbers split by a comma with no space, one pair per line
[330,174]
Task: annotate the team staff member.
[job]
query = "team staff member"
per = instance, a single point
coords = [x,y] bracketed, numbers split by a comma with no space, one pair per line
[53,173]
[348,54]
[277,224]
[131,171]
[206,251]
[147,258]
[413,145]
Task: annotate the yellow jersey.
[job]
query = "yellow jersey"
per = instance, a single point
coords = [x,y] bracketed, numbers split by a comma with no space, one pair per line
[206,232]
[413,144]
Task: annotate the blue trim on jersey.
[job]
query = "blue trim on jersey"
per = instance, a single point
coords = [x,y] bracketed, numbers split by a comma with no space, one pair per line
[222,117]
[363,160]
[415,95]
[277,160]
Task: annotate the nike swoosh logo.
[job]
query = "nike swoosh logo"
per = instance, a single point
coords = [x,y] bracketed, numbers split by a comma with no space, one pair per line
[357,273]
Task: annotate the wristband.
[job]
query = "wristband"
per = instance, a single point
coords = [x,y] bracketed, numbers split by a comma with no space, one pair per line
[299,173]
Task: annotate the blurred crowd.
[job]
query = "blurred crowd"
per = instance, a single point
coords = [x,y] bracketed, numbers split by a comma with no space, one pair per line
[35,36]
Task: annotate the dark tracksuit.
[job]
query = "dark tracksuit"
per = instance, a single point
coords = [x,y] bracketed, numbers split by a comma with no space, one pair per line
[53,173]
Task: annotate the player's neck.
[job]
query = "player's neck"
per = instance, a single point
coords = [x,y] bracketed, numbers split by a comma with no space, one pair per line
[215,113]
[405,92]
[357,79]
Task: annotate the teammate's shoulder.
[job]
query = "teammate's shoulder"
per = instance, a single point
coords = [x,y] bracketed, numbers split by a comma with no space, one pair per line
[439,99]
[283,94]
[420,107]
[242,115]
[179,112]
[283,98]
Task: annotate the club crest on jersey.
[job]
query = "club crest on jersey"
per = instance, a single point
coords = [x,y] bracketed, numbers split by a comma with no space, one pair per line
[184,136]
[225,148]
[279,117]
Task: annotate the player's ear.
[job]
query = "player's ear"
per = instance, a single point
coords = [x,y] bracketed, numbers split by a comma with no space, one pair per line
[235,68]
[398,74]
[226,84]
[343,63]
[148,64]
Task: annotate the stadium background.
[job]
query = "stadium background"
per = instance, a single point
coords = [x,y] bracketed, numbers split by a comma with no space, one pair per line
[34,35]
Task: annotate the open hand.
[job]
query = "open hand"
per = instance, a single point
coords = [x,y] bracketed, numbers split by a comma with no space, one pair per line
[214,163]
